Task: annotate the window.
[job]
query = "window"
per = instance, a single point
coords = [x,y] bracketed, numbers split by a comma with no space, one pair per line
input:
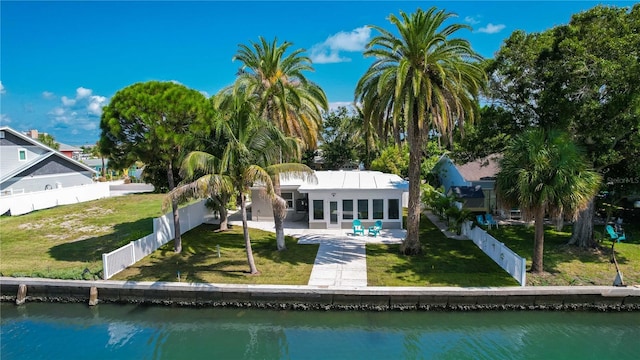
[22,154]
[288,197]
[318,209]
[1,134]
[394,209]
[363,209]
[378,209]
[347,209]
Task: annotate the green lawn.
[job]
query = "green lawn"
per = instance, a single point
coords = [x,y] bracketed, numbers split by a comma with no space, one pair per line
[61,242]
[199,262]
[569,265]
[444,262]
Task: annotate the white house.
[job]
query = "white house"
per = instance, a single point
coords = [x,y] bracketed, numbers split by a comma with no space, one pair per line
[339,197]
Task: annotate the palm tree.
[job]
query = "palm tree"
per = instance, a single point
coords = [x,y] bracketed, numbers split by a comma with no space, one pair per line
[285,97]
[252,144]
[426,80]
[545,172]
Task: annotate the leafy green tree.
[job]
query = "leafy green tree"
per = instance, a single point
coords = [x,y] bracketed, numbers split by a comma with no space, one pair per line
[545,172]
[49,141]
[338,140]
[583,77]
[426,79]
[393,160]
[285,97]
[150,122]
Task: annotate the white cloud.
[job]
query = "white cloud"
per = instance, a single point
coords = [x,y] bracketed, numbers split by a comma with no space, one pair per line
[471,20]
[491,29]
[2,90]
[206,94]
[48,95]
[78,114]
[4,119]
[336,104]
[68,102]
[329,50]
[95,105]
[83,92]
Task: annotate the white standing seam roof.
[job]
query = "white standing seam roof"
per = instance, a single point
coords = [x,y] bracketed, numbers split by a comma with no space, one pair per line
[355,180]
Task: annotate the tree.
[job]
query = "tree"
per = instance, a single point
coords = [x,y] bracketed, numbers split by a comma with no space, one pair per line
[49,141]
[545,172]
[425,79]
[252,144]
[583,77]
[393,160]
[150,122]
[286,98]
[338,141]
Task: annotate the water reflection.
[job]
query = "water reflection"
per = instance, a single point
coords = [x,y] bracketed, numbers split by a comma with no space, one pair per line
[74,331]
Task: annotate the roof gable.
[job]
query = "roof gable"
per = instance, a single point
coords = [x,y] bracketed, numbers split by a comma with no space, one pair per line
[24,140]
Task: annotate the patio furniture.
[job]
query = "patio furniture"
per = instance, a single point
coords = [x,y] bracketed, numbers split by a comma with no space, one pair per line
[375,229]
[490,220]
[614,235]
[357,227]
[480,220]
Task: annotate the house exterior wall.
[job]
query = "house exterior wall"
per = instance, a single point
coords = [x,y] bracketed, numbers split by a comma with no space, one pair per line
[45,182]
[9,155]
[327,196]
[261,209]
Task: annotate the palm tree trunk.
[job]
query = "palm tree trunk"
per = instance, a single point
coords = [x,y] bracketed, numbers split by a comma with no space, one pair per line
[582,234]
[247,240]
[176,216]
[224,221]
[411,244]
[538,242]
[278,216]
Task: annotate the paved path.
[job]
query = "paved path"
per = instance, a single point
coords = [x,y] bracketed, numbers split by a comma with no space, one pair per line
[341,260]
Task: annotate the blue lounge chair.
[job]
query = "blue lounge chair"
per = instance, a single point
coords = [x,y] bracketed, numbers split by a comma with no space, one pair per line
[614,235]
[490,220]
[480,220]
[375,229]
[357,227]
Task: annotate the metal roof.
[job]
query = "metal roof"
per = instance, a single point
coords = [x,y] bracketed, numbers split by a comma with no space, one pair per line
[355,180]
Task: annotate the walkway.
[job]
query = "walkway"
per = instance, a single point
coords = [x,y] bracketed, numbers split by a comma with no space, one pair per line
[341,260]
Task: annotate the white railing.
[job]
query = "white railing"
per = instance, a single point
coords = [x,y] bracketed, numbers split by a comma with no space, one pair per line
[511,262]
[24,203]
[163,231]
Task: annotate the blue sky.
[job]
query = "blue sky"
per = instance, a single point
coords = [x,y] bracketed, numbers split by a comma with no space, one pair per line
[60,62]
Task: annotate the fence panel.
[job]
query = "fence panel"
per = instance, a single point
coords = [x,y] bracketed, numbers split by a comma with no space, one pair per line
[117,260]
[163,230]
[508,260]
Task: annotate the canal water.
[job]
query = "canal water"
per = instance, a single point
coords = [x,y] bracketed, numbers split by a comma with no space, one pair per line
[76,331]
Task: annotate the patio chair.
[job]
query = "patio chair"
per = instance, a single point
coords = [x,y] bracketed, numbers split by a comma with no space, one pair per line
[357,227]
[614,235]
[480,220]
[490,220]
[375,228]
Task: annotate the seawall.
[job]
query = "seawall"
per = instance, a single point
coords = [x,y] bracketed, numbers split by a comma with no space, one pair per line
[303,297]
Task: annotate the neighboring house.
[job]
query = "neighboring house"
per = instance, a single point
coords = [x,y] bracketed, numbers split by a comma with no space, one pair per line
[70,151]
[337,198]
[473,183]
[26,165]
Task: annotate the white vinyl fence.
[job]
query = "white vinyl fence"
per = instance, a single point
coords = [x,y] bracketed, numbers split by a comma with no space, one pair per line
[511,262]
[163,230]
[24,203]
